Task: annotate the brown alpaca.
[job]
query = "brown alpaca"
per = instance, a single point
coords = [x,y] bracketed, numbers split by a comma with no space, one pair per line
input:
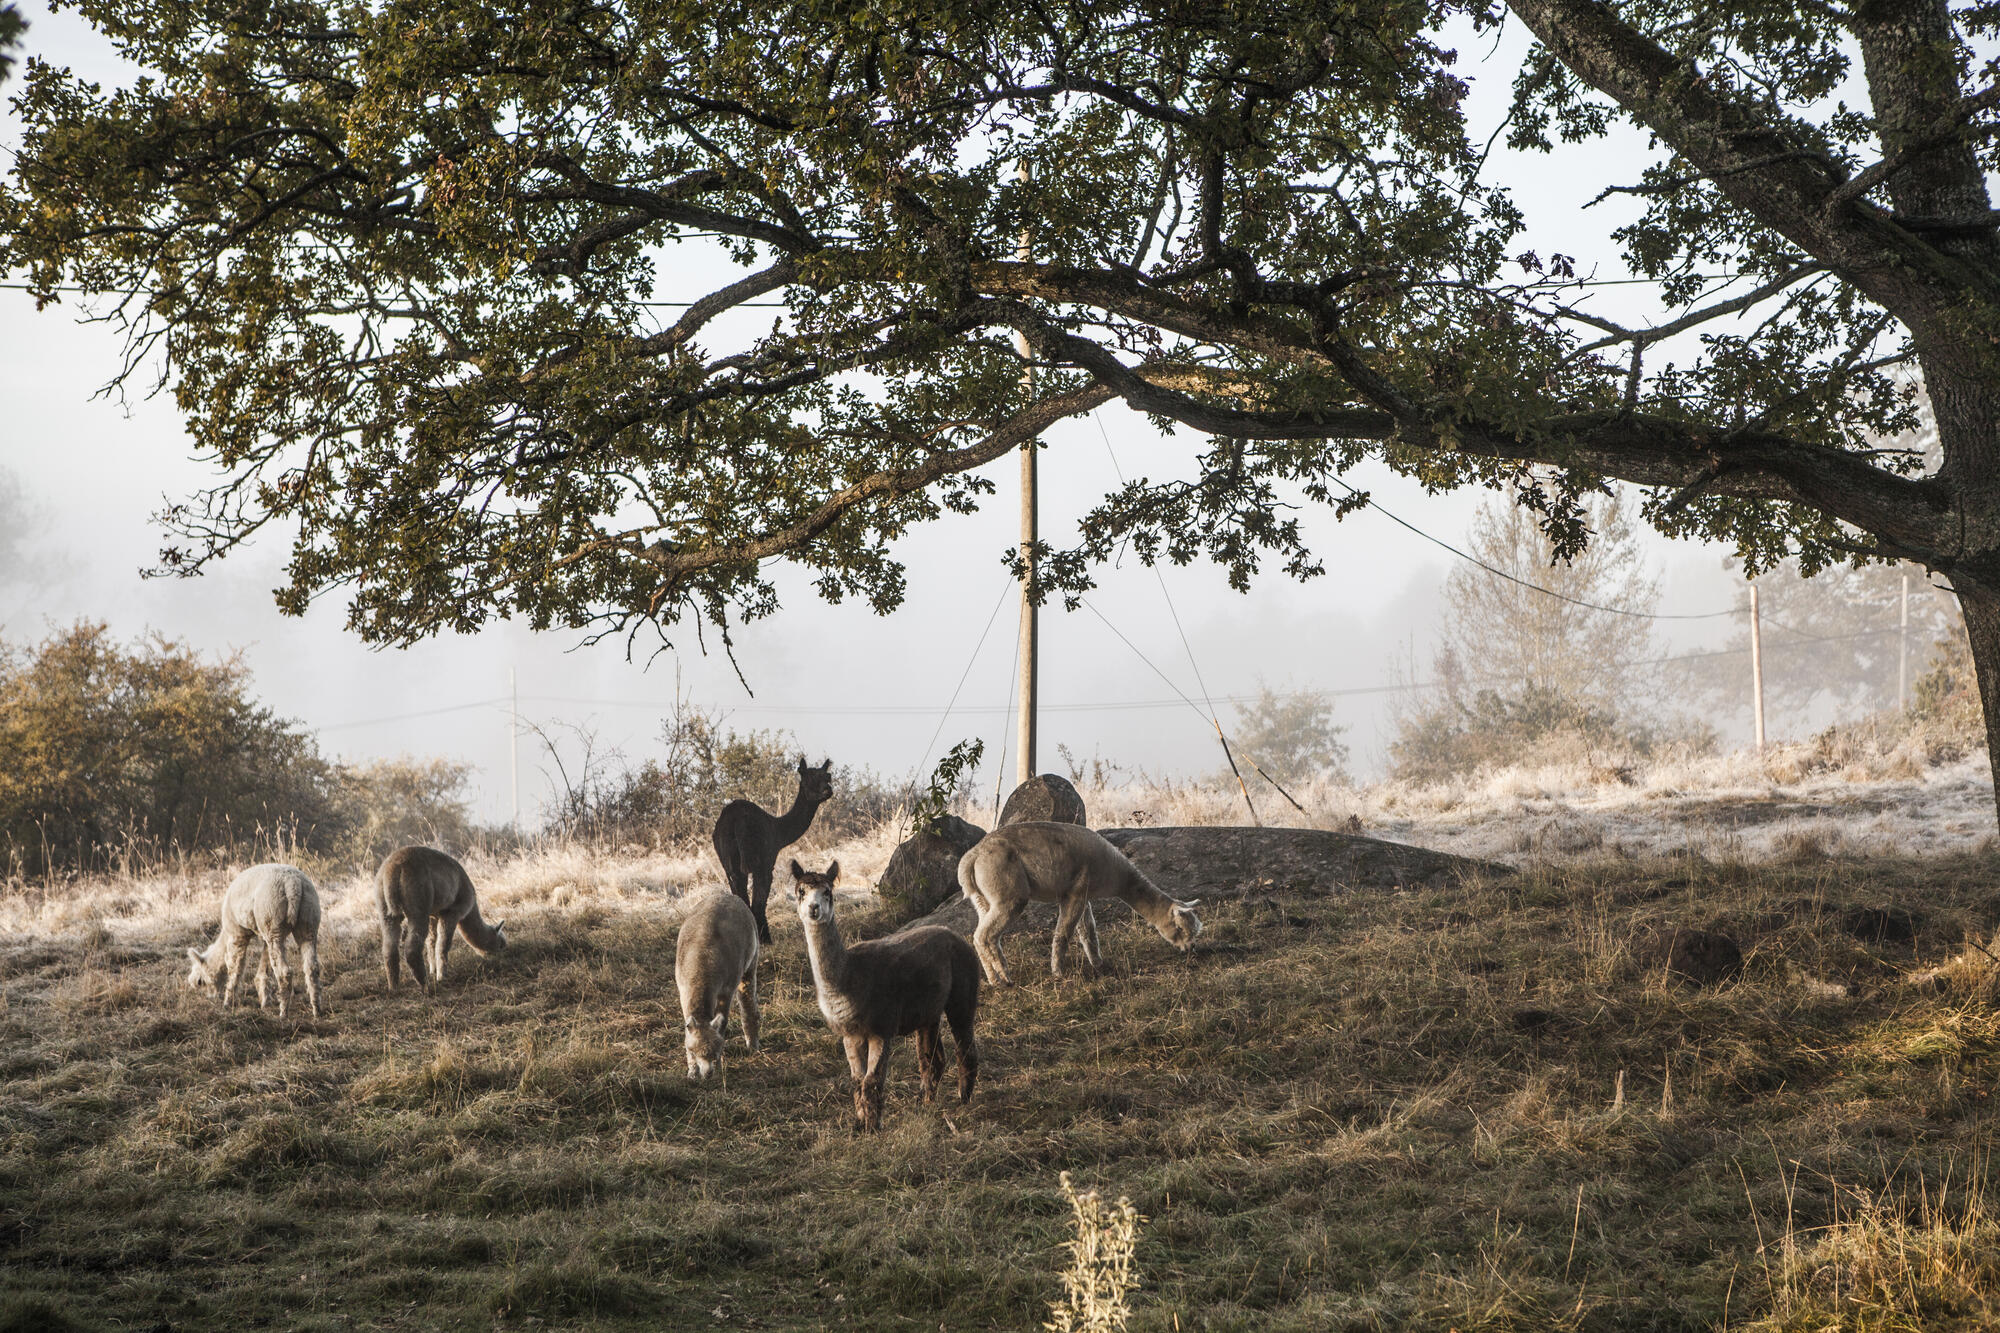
[748,838]
[878,990]
[434,894]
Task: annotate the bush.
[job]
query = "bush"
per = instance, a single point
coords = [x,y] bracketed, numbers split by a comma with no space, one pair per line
[121,757]
[390,803]
[1454,737]
[674,802]
[117,755]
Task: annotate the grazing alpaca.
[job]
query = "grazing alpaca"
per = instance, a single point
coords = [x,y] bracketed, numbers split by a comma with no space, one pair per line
[433,892]
[748,838]
[878,990]
[715,957]
[270,903]
[1066,864]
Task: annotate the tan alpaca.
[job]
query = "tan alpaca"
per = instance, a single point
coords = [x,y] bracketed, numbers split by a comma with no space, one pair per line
[271,903]
[1065,864]
[715,958]
[434,894]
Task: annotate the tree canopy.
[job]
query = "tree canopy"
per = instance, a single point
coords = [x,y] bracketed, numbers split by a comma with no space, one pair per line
[394,261]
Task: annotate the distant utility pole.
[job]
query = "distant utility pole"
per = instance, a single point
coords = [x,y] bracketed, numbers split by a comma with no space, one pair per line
[514,744]
[1024,758]
[1903,650]
[1757,668]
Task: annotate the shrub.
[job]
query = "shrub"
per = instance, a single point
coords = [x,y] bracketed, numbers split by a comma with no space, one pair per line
[119,754]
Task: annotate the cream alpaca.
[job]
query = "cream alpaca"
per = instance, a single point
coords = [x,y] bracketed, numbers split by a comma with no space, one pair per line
[271,903]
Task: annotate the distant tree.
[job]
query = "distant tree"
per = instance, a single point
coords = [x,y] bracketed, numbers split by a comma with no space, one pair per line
[1831,644]
[1513,639]
[1291,735]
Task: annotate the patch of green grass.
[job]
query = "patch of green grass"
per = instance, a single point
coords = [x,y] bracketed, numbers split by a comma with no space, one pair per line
[1487,1108]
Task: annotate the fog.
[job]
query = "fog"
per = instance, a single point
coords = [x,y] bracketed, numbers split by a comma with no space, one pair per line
[84,474]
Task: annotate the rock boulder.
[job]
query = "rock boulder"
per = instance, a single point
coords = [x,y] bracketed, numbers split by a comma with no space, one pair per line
[923,871]
[1046,797]
[1228,862]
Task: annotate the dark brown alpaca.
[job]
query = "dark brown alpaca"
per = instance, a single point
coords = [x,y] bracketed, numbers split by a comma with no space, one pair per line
[878,990]
[748,838]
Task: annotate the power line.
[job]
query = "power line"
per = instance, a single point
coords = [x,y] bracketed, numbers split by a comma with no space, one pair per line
[1534,587]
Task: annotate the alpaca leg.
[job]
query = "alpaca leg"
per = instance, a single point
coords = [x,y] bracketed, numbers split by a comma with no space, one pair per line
[760,894]
[752,1019]
[281,972]
[986,941]
[857,1055]
[1067,922]
[419,946]
[392,944]
[930,1059]
[868,1097]
[1090,953]
[239,953]
[309,965]
[447,927]
[962,1012]
[263,977]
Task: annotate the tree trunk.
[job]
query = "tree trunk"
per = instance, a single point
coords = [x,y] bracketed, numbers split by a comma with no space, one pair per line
[1982,630]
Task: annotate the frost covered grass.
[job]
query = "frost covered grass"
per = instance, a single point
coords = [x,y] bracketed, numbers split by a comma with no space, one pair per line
[1790,805]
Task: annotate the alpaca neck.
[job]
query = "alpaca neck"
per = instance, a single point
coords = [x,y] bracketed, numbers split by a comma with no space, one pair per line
[216,956]
[476,930]
[827,952]
[792,825]
[1155,907]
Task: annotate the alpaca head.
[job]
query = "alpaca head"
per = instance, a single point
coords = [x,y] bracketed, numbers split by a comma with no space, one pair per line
[1182,925]
[498,940]
[704,1045]
[814,892]
[815,784]
[199,972]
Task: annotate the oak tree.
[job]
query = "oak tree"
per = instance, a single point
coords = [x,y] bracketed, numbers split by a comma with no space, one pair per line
[393,259]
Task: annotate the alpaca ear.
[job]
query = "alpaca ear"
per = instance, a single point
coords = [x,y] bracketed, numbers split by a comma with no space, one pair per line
[798,871]
[717,1021]
[500,925]
[194,954]
[802,765]
[827,767]
[832,872]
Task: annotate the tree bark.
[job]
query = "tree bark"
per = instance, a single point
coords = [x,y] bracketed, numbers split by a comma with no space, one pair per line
[1982,630]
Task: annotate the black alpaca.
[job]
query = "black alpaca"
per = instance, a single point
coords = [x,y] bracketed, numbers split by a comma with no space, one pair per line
[748,838]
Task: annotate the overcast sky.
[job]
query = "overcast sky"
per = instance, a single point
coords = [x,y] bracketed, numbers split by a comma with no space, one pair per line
[863,689]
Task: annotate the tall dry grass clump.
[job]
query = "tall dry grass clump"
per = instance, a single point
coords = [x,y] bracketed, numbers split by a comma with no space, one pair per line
[1920,1258]
[1099,1282]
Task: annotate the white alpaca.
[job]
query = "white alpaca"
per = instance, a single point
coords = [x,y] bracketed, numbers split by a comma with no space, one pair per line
[270,903]
[1069,865]
[432,891]
[714,959]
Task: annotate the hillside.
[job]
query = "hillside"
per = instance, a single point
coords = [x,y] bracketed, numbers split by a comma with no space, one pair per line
[1485,1106]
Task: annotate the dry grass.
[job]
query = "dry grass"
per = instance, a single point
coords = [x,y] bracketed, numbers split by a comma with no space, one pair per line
[1793,803]
[1484,1108]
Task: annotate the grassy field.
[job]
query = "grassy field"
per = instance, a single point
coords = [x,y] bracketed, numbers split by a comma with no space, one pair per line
[1482,1108]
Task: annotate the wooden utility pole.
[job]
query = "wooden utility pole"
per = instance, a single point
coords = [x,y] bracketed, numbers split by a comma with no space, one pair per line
[1757,668]
[1903,649]
[1024,757]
